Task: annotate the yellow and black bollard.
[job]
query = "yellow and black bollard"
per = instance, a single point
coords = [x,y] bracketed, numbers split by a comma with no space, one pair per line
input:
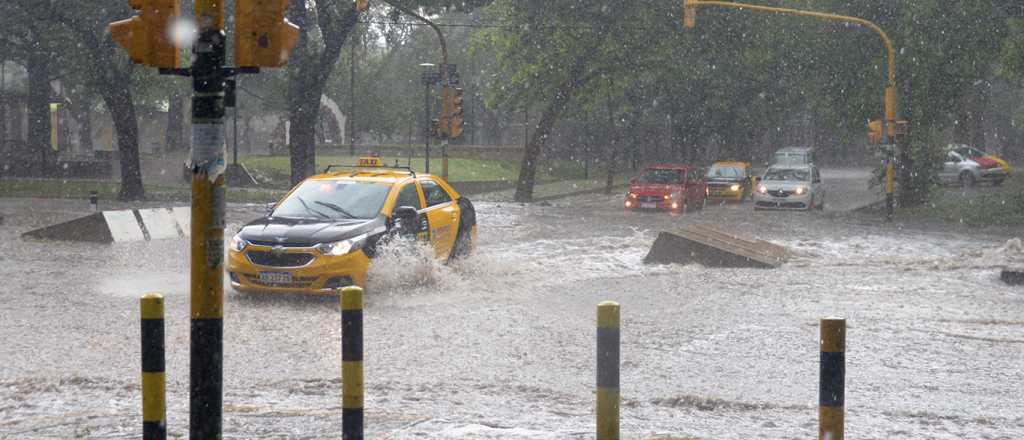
[831,389]
[352,363]
[154,403]
[608,371]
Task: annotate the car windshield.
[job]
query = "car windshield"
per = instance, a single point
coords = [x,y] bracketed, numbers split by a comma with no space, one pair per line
[788,174]
[661,176]
[725,172]
[334,200]
[970,152]
[790,158]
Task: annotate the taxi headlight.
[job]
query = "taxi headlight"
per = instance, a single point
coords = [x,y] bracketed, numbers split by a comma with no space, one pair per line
[800,190]
[734,187]
[238,244]
[342,247]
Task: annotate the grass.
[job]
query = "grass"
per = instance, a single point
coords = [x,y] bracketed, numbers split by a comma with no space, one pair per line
[982,205]
[106,190]
[275,169]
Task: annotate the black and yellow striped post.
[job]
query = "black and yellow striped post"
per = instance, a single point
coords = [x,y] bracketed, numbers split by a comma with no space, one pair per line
[154,403]
[832,387]
[608,371]
[352,363]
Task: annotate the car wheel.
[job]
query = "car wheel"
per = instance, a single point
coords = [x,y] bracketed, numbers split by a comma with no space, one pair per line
[463,245]
[966,179]
[821,205]
[997,182]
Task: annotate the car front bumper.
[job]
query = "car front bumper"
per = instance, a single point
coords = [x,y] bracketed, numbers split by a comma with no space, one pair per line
[323,275]
[725,193]
[791,202]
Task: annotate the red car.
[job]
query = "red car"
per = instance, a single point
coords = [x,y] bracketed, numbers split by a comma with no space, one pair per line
[668,187]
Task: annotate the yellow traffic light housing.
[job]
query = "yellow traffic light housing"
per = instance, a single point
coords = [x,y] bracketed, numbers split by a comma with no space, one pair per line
[146,36]
[456,113]
[689,14]
[263,36]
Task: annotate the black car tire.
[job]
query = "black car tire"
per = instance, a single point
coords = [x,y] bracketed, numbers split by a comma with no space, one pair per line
[966,179]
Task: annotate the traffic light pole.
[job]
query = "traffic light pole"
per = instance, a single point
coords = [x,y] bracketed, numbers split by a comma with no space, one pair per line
[206,374]
[690,21]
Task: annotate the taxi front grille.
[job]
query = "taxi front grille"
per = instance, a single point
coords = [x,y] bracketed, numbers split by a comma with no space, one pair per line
[279,259]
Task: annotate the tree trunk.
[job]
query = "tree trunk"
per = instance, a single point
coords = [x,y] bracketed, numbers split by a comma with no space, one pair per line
[174,139]
[118,100]
[531,154]
[613,147]
[38,147]
[310,67]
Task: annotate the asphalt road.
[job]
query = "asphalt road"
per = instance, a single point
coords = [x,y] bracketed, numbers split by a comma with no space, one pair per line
[501,345]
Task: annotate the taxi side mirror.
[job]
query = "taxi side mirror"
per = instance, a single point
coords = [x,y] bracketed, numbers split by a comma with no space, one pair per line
[269,207]
[405,218]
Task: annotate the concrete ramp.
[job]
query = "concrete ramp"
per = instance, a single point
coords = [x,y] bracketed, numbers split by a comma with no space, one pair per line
[714,248]
[119,226]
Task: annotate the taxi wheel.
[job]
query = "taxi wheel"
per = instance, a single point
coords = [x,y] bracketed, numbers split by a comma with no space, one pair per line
[462,246]
[966,179]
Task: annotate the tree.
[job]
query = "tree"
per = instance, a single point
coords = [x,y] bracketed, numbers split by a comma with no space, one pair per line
[86,43]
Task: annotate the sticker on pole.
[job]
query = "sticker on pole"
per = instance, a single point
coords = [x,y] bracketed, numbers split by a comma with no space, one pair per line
[208,149]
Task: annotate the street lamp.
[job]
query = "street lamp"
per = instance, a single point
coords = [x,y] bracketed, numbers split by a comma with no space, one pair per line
[429,77]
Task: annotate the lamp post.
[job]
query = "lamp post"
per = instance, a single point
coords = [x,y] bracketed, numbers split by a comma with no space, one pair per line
[429,78]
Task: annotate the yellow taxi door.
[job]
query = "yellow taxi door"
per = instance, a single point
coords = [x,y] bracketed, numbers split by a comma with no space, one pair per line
[409,195]
[442,215]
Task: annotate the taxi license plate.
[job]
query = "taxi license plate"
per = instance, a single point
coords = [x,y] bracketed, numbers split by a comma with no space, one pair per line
[276,277]
[648,205]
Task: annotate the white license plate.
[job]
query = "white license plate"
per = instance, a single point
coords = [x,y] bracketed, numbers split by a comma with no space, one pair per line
[276,277]
[648,205]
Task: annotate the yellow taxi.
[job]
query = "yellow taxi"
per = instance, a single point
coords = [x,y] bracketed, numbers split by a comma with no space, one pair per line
[325,233]
[730,180]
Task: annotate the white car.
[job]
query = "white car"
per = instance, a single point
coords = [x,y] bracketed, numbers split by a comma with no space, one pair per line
[790,187]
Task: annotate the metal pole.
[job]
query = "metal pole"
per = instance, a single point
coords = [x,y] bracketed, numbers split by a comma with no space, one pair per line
[352,363]
[154,397]
[207,291]
[608,371]
[832,384]
[352,102]
[234,131]
[426,122]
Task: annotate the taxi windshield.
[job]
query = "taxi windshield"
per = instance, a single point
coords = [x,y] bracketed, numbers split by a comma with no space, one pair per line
[787,174]
[334,200]
[661,176]
[725,172]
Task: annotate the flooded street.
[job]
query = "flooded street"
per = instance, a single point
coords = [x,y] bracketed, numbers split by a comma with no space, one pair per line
[501,345]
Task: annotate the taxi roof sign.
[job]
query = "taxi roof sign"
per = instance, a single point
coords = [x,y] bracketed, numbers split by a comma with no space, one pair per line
[370,161]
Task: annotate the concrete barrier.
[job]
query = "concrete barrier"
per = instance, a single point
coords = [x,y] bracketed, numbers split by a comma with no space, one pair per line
[120,226]
[715,248]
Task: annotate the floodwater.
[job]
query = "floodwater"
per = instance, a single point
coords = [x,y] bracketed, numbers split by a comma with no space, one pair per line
[501,345]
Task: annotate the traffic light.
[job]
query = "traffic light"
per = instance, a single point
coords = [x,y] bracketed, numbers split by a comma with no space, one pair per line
[689,14]
[146,36]
[264,37]
[875,131]
[457,113]
[362,5]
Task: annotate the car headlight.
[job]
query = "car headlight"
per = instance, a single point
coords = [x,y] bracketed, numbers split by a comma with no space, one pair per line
[238,244]
[632,195]
[800,190]
[762,189]
[734,187]
[342,247]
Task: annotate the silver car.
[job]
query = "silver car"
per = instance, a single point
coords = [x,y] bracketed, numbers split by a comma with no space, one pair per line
[790,187]
[967,172]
